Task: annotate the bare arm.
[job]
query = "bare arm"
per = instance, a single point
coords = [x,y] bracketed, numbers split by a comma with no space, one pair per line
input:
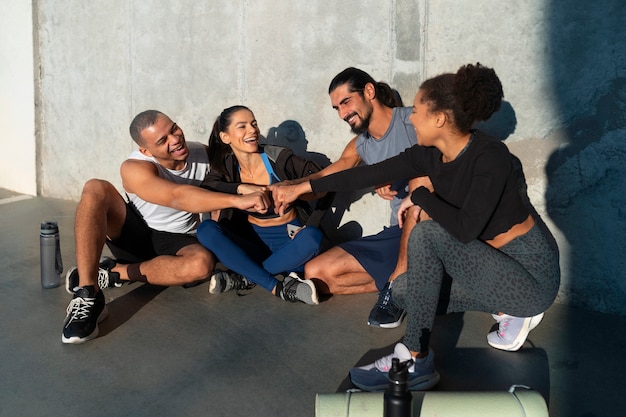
[141,178]
[349,159]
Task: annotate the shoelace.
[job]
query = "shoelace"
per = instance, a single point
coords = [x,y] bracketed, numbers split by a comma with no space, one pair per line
[241,283]
[103,278]
[503,327]
[289,290]
[78,309]
[384,300]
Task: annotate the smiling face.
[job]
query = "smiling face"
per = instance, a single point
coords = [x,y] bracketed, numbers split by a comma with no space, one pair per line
[352,107]
[424,121]
[242,134]
[165,141]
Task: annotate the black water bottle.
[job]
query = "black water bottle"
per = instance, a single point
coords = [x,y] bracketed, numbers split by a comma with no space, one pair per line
[398,398]
[50,255]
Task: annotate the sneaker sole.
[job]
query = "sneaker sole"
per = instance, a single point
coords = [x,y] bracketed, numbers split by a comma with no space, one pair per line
[388,325]
[77,340]
[213,287]
[519,341]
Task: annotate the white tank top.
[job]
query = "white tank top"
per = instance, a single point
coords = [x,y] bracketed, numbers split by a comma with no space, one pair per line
[167,219]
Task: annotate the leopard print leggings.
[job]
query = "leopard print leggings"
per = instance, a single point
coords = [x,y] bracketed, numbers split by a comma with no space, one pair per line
[521,278]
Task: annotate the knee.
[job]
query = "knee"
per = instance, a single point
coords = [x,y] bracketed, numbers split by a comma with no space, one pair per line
[423,232]
[97,189]
[200,266]
[315,268]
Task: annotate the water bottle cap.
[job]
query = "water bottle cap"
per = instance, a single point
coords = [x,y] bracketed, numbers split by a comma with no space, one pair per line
[49,227]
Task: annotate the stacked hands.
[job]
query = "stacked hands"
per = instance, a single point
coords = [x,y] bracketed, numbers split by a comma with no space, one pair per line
[286,192]
[260,199]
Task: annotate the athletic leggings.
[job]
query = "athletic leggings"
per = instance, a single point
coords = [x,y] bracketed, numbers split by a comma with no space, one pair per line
[261,252]
[520,279]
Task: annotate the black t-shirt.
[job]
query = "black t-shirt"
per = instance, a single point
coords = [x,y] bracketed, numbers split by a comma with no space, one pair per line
[476,196]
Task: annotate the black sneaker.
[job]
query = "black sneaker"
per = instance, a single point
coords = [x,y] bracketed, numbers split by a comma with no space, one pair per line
[386,313]
[106,278]
[84,312]
[294,289]
[222,281]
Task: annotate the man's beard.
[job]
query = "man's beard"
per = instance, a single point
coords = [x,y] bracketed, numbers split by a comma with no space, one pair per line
[363,126]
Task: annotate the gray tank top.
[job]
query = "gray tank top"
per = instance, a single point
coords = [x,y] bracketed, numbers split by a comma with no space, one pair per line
[399,136]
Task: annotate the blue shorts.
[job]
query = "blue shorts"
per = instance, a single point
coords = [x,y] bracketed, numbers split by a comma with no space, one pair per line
[377,254]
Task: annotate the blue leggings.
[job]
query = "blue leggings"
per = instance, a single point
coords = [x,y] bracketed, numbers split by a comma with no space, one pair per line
[521,278]
[261,252]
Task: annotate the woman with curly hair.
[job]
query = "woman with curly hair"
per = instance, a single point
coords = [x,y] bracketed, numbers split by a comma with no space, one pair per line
[474,223]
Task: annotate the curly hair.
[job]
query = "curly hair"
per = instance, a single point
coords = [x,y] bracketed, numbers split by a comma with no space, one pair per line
[473,94]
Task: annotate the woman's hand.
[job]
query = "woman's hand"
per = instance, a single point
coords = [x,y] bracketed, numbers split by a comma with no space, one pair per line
[245,188]
[409,211]
[284,195]
[404,207]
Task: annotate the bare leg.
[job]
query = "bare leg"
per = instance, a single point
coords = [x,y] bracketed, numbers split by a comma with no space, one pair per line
[100,213]
[191,263]
[337,272]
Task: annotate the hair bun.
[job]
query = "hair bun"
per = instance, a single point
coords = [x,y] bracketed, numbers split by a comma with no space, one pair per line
[478,91]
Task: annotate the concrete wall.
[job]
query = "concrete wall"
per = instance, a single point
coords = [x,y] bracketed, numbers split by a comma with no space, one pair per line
[17,107]
[562,64]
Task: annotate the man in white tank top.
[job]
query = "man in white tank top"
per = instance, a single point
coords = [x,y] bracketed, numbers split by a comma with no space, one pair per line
[152,236]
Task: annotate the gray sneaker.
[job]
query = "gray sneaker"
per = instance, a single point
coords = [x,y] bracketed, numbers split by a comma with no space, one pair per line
[222,281]
[296,289]
[106,278]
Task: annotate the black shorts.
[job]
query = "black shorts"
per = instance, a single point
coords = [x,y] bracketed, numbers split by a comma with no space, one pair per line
[138,242]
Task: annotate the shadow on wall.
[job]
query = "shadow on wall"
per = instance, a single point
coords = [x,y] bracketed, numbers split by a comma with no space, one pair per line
[290,134]
[501,124]
[586,194]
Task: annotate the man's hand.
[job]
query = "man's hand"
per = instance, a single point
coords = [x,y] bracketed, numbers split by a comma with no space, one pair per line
[385,192]
[257,201]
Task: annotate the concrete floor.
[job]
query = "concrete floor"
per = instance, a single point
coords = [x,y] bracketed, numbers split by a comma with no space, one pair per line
[182,352]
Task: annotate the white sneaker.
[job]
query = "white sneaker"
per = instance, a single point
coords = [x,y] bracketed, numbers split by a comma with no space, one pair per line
[512,331]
